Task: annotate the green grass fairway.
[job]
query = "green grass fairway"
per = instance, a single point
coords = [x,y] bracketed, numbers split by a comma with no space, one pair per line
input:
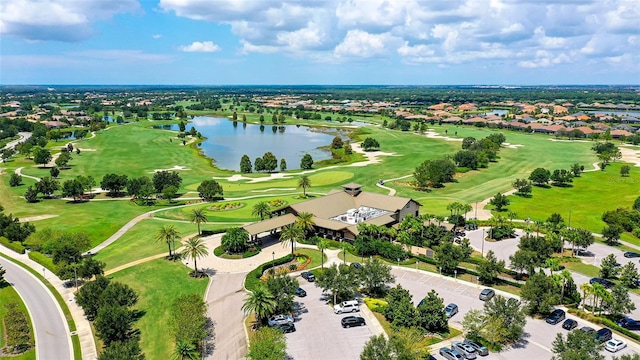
[139,242]
[158,283]
[9,295]
[591,195]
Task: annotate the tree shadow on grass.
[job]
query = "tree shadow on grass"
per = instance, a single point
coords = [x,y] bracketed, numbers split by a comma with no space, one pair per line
[137,314]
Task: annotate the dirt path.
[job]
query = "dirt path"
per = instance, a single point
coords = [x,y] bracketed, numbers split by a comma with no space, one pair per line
[19,172]
[37,217]
[485,214]
[630,155]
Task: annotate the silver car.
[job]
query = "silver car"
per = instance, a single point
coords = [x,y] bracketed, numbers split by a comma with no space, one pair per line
[277,320]
[465,350]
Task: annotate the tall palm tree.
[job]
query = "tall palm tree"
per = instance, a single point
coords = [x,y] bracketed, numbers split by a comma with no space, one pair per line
[587,290]
[304,183]
[185,351]
[261,209]
[260,302]
[305,221]
[322,244]
[195,248]
[168,234]
[198,216]
[290,233]
[466,208]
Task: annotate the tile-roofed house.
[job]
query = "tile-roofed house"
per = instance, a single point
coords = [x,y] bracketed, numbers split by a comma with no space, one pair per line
[337,214]
[619,133]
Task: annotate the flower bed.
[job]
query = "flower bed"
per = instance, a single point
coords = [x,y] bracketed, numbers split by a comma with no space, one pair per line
[226,206]
[299,262]
[276,203]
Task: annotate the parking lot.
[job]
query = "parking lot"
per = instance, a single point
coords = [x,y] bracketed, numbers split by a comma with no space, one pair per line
[319,334]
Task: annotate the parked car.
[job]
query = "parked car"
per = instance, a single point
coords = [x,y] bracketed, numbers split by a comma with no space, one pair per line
[300,292]
[308,276]
[279,320]
[588,330]
[487,294]
[479,348]
[569,324]
[604,282]
[629,323]
[286,327]
[451,310]
[450,354]
[614,345]
[346,306]
[583,252]
[631,254]
[513,302]
[350,321]
[603,335]
[356,266]
[465,350]
[556,316]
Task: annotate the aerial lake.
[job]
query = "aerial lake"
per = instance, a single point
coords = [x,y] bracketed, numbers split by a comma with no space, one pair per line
[226,142]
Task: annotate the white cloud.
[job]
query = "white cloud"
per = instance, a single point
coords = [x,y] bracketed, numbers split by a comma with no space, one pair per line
[59,20]
[200,46]
[358,43]
[156,36]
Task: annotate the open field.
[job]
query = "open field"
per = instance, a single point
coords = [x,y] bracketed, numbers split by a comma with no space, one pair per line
[587,199]
[158,283]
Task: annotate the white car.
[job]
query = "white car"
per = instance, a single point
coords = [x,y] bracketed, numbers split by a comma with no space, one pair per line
[277,320]
[614,345]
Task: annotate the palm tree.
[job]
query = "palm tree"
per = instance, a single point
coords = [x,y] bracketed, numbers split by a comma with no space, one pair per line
[261,209]
[185,351]
[322,244]
[197,217]
[290,233]
[304,183]
[260,302]
[466,208]
[587,290]
[168,234]
[195,248]
[512,215]
[305,221]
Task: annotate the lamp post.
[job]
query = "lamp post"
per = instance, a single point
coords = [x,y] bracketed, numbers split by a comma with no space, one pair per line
[483,243]
[475,217]
[440,268]
[398,261]
[273,258]
[417,263]
[455,274]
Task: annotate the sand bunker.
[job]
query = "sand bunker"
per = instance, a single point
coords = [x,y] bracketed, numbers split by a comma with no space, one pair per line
[175,168]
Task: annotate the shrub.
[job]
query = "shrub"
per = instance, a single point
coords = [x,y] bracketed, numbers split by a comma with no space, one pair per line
[44,260]
[218,251]
[253,278]
[213,232]
[13,245]
[251,252]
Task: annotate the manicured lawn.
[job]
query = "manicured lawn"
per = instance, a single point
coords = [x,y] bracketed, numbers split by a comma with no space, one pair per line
[582,268]
[590,196]
[9,295]
[158,283]
[139,242]
[315,255]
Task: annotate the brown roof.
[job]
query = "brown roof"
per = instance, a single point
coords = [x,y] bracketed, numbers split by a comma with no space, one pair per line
[270,224]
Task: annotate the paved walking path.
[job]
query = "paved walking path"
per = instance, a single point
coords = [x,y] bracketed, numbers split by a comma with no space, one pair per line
[83,328]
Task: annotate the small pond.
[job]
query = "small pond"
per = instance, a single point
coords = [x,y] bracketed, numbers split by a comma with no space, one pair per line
[227,141]
[498,112]
[609,112]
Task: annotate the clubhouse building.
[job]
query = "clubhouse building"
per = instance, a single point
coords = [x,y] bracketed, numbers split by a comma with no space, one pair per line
[337,214]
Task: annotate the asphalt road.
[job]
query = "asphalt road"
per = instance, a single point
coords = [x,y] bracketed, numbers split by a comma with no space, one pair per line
[53,340]
[23,136]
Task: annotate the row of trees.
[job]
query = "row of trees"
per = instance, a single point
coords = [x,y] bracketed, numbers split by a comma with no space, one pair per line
[190,326]
[12,229]
[500,322]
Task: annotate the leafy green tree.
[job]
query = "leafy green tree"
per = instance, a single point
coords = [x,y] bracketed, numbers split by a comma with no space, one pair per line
[499,201]
[198,217]
[625,170]
[162,179]
[72,188]
[448,257]
[63,160]
[340,280]
[283,288]
[636,204]
[377,348]
[119,350]
[609,267]
[304,183]
[404,344]
[47,186]
[621,304]
[523,187]
[577,169]
[634,356]
[370,144]
[306,162]
[195,248]
[41,156]
[578,345]
[113,323]
[210,190]
[540,176]
[31,195]
[555,222]
[399,310]
[15,180]
[268,344]
[431,314]
[235,240]
[118,294]
[269,161]
[506,316]
[168,234]
[283,165]
[261,209]
[473,322]
[90,267]
[374,275]
[611,234]
[467,159]
[188,320]
[261,303]
[629,276]
[169,193]
[245,164]
[434,173]
[114,183]
[258,164]
[337,143]
[490,268]
[539,293]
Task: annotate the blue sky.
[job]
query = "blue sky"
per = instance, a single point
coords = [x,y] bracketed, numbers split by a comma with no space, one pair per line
[405,42]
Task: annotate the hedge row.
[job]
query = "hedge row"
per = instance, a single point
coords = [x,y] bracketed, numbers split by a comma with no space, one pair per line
[253,278]
[213,232]
[13,245]
[44,261]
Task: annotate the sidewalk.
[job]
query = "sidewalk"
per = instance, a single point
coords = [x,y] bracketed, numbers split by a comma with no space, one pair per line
[83,328]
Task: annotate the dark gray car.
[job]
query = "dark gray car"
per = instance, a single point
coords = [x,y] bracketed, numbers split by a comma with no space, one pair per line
[480,349]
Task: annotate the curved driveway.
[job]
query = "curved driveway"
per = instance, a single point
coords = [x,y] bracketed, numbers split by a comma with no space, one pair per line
[53,340]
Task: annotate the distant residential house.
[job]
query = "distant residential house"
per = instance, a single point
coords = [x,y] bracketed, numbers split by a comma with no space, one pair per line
[616,134]
[337,214]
